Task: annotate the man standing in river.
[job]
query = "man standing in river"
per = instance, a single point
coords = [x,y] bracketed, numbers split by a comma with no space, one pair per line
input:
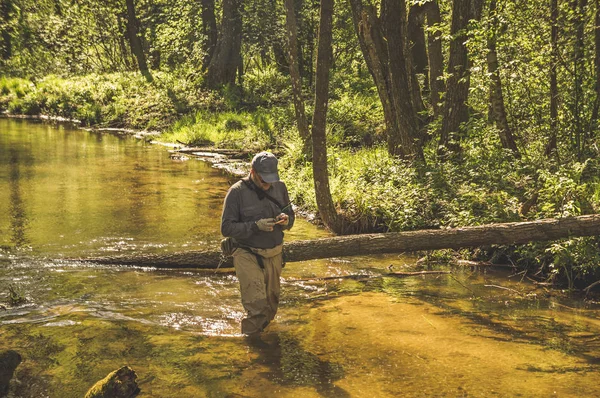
[256,211]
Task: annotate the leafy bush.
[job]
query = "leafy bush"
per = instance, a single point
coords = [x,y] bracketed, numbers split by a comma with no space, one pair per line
[355,120]
[564,193]
[119,99]
[267,86]
[225,129]
[574,260]
[12,91]
[371,187]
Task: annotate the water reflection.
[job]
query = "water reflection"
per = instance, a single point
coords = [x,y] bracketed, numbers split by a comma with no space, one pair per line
[65,192]
[179,329]
[18,217]
[291,364]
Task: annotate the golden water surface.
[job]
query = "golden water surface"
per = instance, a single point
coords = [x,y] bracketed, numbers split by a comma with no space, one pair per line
[71,193]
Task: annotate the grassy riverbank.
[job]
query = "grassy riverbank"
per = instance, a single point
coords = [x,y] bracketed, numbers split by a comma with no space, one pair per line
[380,192]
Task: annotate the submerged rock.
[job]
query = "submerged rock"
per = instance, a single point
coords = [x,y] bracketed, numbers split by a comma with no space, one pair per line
[118,384]
[9,360]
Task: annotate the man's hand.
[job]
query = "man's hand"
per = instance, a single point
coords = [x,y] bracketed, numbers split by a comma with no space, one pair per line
[282,219]
[265,224]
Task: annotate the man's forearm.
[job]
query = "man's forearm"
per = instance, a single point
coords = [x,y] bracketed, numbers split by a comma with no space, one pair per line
[238,230]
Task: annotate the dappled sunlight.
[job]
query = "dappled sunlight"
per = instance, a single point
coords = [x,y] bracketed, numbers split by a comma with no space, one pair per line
[345,326]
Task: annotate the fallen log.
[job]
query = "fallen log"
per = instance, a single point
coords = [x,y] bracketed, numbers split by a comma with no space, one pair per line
[381,243]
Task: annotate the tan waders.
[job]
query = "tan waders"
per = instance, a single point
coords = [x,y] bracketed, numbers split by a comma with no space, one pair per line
[259,286]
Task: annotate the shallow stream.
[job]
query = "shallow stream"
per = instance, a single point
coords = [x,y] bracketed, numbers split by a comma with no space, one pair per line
[66,193]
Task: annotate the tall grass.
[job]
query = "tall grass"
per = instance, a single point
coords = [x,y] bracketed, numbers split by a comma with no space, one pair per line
[250,131]
[118,99]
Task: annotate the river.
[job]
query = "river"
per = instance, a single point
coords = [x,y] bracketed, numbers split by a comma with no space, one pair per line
[66,193]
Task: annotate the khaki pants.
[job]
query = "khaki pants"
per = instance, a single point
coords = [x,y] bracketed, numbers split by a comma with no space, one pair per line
[259,287]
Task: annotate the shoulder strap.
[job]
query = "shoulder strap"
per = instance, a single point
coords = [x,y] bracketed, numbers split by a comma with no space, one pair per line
[260,193]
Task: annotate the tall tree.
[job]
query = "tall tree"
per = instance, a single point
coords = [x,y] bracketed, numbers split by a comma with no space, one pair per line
[416,54]
[325,204]
[6,7]
[308,26]
[455,106]
[209,29]
[498,110]
[594,117]
[394,21]
[435,56]
[227,56]
[296,79]
[383,44]
[551,147]
[133,28]
[416,37]
[125,52]
[578,8]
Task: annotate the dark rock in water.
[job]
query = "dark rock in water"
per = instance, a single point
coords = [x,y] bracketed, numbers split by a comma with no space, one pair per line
[9,360]
[118,384]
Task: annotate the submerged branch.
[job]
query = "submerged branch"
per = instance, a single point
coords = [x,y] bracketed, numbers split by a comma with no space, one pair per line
[505,288]
[366,276]
[590,287]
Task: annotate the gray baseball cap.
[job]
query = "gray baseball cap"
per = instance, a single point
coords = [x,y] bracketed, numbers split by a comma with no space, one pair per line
[265,164]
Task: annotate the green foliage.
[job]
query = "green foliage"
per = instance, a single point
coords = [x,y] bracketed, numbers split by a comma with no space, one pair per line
[355,120]
[79,65]
[12,91]
[574,259]
[15,295]
[267,86]
[121,99]
[562,193]
[224,129]
[232,96]
[372,187]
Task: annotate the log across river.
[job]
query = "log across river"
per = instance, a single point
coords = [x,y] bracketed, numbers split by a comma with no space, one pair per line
[380,243]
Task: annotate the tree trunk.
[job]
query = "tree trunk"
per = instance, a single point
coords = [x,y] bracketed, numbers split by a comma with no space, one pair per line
[319,141]
[227,56]
[372,43]
[6,45]
[416,56]
[280,56]
[406,142]
[307,69]
[416,37]
[413,23]
[551,148]
[383,46]
[393,242]
[496,97]
[578,9]
[296,79]
[436,57]
[135,41]
[209,30]
[594,118]
[457,93]
[125,53]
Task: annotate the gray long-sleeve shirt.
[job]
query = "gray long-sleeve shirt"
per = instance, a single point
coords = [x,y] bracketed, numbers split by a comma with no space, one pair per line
[243,207]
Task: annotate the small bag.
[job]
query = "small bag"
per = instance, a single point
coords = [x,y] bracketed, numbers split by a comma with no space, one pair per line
[228,246]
